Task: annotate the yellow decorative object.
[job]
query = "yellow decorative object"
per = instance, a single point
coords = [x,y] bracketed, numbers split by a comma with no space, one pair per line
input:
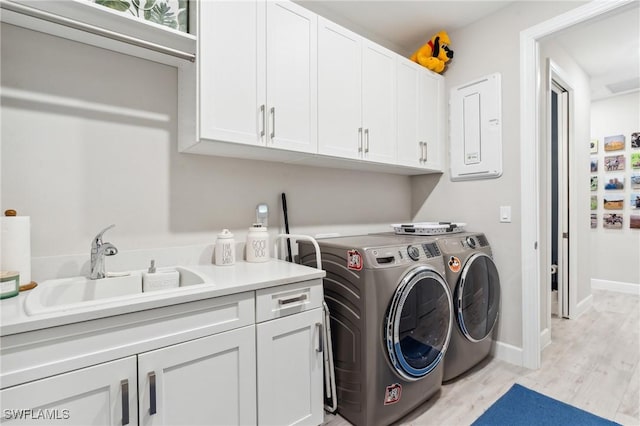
[435,53]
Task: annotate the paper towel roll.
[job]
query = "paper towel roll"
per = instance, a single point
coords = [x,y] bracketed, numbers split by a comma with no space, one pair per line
[16,246]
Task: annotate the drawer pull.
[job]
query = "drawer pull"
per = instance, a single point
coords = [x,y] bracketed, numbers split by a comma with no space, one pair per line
[292,300]
[124,385]
[152,393]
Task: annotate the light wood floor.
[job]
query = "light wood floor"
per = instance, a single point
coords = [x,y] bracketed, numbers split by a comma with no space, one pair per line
[592,363]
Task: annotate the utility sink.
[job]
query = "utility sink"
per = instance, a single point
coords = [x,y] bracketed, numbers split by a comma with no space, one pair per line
[73,293]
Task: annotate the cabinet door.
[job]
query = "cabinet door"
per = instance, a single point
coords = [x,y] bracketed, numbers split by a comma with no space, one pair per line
[211,380]
[339,91]
[292,76]
[410,124]
[378,103]
[431,118]
[290,365]
[105,394]
[231,83]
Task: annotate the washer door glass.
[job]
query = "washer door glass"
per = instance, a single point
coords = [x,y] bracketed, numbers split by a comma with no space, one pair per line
[478,297]
[418,323]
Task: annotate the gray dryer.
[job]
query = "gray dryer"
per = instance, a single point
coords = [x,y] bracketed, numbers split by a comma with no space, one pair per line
[475,286]
[391,321]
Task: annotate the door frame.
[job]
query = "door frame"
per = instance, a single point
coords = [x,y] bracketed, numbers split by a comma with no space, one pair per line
[530,140]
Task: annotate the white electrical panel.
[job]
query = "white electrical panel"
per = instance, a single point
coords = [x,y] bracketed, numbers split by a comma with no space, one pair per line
[475,118]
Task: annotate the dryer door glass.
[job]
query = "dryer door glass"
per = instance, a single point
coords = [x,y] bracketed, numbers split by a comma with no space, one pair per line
[478,297]
[418,323]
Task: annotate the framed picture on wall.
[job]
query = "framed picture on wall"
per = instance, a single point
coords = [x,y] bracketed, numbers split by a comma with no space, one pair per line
[594,165]
[615,163]
[635,140]
[635,160]
[594,202]
[594,183]
[634,223]
[634,202]
[594,146]
[614,182]
[594,220]
[614,143]
[613,202]
[635,181]
[612,221]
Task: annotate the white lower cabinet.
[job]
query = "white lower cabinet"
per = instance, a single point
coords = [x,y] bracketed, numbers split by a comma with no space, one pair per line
[290,356]
[208,381]
[104,394]
[244,359]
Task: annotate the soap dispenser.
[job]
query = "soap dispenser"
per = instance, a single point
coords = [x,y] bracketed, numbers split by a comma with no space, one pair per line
[159,280]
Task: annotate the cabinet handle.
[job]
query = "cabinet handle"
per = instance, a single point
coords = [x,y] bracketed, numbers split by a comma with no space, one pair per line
[421,151]
[359,139]
[152,393]
[292,300]
[124,386]
[320,329]
[264,120]
[424,147]
[366,141]
[273,123]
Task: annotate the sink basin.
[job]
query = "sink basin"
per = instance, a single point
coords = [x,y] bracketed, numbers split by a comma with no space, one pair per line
[81,292]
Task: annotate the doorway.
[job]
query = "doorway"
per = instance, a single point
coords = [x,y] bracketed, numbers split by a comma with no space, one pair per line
[532,216]
[559,164]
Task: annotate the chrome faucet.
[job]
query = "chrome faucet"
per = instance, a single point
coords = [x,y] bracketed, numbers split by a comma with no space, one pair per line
[98,251]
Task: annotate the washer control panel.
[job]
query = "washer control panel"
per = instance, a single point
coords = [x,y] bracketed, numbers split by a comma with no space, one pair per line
[405,254]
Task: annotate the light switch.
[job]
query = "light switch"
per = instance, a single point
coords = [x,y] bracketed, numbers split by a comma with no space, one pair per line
[505,214]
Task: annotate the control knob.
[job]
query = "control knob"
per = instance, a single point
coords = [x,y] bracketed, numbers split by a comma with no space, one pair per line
[413,252]
[471,242]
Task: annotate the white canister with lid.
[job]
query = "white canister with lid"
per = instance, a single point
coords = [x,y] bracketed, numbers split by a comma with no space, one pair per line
[257,247]
[225,251]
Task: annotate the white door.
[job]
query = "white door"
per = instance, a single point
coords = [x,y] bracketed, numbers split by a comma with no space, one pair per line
[290,363]
[231,53]
[431,89]
[292,76]
[410,150]
[378,103]
[207,381]
[340,130]
[105,394]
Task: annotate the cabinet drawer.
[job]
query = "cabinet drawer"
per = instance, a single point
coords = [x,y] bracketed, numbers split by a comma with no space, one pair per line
[277,302]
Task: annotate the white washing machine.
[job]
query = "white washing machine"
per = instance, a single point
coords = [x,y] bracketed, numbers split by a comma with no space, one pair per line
[475,285]
[391,322]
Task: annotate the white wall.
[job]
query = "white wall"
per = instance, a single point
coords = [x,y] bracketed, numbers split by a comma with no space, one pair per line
[615,253]
[89,139]
[487,46]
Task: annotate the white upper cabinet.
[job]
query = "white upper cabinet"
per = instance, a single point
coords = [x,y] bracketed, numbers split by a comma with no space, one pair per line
[356,96]
[231,81]
[420,114]
[291,77]
[257,74]
[339,91]
[378,103]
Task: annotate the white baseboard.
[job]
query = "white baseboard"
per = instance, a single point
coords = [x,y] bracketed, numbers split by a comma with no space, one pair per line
[620,287]
[508,353]
[545,338]
[583,306]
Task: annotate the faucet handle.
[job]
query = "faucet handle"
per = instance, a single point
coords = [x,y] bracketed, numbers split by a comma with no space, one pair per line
[98,238]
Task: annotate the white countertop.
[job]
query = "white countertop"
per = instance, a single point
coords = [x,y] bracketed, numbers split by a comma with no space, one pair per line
[222,281]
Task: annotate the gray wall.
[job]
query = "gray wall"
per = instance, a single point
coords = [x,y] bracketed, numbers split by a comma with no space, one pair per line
[89,139]
[615,254]
[487,46]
